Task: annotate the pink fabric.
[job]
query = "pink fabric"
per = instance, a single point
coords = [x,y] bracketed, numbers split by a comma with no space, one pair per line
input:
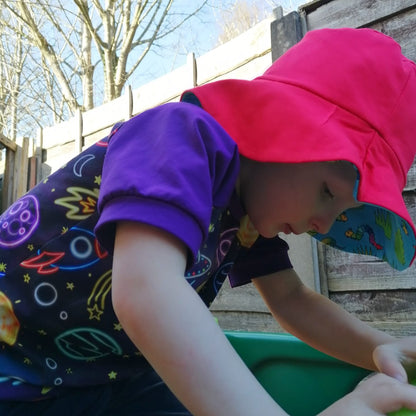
[339,94]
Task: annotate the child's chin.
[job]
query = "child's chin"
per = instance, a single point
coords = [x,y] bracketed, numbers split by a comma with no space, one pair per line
[269,233]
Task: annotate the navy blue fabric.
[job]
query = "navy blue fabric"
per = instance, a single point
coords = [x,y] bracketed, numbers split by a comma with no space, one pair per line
[146,395]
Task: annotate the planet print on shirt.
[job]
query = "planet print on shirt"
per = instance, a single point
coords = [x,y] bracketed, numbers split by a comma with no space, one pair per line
[19,221]
[9,324]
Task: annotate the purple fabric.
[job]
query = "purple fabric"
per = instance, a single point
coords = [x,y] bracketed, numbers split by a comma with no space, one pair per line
[177,163]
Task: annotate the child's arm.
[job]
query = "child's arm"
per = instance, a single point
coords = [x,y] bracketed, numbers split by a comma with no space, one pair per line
[170,325]
[329,328]
[168,322]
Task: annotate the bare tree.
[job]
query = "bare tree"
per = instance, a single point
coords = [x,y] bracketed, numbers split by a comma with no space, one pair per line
[238,19]
[12,58]
[90,47]
[244,14]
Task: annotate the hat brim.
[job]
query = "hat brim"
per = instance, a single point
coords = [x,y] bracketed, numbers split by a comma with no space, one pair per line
[284,123]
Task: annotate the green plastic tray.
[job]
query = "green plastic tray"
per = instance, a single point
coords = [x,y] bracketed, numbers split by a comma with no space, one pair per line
[301,379]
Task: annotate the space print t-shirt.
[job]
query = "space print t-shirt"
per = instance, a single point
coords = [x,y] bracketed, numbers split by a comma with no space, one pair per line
[173,167]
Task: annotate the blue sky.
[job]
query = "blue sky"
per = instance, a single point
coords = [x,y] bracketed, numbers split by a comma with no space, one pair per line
[199,35]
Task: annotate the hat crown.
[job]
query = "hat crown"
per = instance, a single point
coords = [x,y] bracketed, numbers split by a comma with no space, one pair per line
[363,72]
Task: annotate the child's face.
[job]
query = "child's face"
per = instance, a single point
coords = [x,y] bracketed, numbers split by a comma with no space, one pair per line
[296,198]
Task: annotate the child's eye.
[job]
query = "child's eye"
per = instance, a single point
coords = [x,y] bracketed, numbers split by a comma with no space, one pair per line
[327,191]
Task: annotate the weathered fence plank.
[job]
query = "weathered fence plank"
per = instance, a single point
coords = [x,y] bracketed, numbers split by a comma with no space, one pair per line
[61,133]
[20,172]
[15,177]
[7,191]
[225,60]
[286,31]
[353,13]
[106,114]
[166,88]
[7,143]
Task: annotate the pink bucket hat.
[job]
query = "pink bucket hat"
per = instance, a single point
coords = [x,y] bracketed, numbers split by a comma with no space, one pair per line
[339,94]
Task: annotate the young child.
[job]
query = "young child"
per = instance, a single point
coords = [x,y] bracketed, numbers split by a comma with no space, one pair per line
[106,265]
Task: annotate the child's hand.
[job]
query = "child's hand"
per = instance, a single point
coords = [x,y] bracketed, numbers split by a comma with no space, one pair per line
[389,358]
[375,396]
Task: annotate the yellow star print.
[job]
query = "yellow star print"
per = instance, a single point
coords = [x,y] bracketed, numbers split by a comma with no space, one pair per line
[97,180]
[3,267]
[112,375]
[95,313]
[26,278]
[118,327]
[70,285]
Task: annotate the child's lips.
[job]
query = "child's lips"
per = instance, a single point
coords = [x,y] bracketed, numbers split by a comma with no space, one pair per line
[287,229]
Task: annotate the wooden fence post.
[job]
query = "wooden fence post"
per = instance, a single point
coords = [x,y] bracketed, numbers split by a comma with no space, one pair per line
[7,191]
[129,97]
[79,141]
[7,197]
[286,31]
[191,63]
[20,171]
[40,155]
[32,174]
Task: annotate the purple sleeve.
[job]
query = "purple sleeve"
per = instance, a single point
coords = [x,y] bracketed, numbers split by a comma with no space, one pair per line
[167,167]
[266,256]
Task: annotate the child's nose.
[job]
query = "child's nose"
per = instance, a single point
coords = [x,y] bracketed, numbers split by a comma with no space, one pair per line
[322,224]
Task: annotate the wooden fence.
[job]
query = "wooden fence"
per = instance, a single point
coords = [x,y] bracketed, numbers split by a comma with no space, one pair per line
[244,57]
[368,288]
[21,166]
